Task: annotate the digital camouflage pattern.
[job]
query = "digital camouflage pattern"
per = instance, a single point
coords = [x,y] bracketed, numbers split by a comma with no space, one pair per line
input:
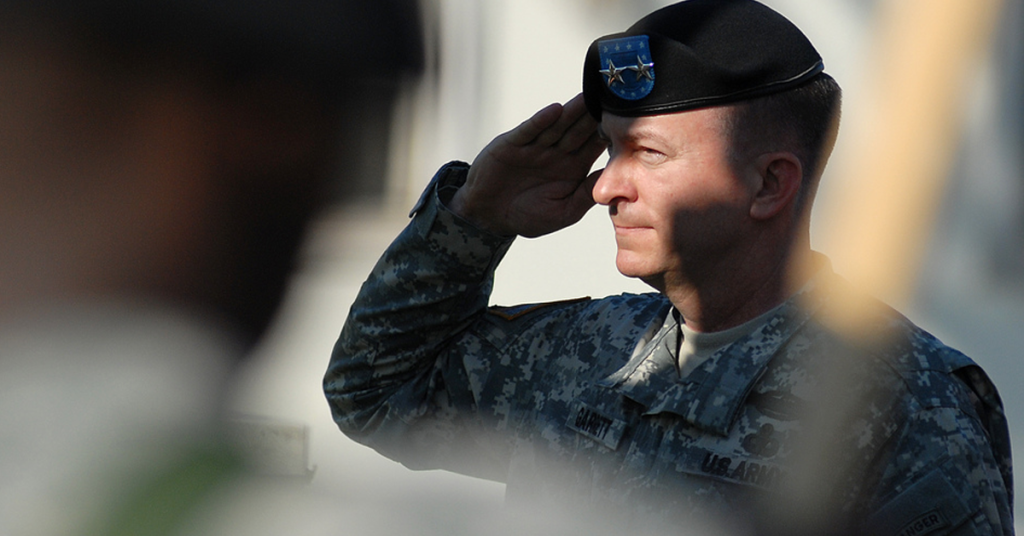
[579,404]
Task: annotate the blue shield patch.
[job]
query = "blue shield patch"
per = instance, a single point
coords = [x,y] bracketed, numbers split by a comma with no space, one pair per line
[627,66]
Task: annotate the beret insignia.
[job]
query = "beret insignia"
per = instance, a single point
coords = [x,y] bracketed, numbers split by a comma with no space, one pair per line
[627,66]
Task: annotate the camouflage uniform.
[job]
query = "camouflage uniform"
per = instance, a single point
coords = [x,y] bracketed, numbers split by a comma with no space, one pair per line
[580,403]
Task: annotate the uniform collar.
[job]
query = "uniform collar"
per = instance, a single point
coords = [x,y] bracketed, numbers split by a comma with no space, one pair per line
[711,396]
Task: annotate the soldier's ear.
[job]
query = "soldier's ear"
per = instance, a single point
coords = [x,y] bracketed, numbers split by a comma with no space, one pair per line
[780,177]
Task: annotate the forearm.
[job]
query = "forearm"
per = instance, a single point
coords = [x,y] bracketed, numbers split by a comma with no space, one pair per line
[432,282]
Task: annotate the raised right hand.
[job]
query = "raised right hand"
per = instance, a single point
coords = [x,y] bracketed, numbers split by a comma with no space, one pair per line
[533,180]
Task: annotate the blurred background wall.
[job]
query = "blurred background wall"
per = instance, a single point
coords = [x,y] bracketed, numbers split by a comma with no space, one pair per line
[489,64]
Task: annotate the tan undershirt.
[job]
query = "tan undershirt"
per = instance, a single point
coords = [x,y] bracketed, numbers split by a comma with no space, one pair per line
[696,347]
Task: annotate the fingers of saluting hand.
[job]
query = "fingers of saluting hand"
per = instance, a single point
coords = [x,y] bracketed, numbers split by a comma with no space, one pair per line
[566,127]
[528,131]
[592,147]
[582,133]
[572,128]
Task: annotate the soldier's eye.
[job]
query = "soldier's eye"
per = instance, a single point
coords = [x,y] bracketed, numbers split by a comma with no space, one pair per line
[650,156]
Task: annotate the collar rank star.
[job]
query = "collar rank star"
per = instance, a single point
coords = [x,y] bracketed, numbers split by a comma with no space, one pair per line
[628,67]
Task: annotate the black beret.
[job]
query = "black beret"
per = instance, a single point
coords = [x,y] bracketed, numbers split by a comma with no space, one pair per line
[694,54]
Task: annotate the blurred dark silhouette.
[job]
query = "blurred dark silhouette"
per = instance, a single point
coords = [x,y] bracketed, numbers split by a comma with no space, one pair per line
[159,164]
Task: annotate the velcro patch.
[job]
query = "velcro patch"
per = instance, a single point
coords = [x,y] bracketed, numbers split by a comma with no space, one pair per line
[743,470]
[596,425]
[924,524]
[933,495]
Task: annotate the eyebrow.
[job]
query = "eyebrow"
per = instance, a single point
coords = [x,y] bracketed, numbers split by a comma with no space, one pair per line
[647,133]
[635,135]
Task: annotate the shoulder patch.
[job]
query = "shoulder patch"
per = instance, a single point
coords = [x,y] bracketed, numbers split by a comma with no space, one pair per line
[925,523]
[928,505]
[517,311]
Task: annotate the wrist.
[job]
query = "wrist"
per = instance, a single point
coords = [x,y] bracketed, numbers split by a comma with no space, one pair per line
[460,204]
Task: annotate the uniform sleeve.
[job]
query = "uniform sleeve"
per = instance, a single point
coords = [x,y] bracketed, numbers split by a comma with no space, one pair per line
[394,381]
[947,472]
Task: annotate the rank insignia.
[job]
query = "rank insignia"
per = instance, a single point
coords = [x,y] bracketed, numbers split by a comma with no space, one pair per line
[627,66]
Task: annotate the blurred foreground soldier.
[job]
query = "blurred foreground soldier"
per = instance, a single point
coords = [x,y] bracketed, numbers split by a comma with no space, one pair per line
[724,401]
[159,162]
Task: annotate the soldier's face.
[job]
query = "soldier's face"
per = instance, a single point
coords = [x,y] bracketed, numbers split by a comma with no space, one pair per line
[677,197]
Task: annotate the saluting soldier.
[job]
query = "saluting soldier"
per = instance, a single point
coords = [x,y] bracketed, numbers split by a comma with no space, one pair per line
[726,397]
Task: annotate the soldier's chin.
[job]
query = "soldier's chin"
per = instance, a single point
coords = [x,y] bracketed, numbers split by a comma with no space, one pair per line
[630,266]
